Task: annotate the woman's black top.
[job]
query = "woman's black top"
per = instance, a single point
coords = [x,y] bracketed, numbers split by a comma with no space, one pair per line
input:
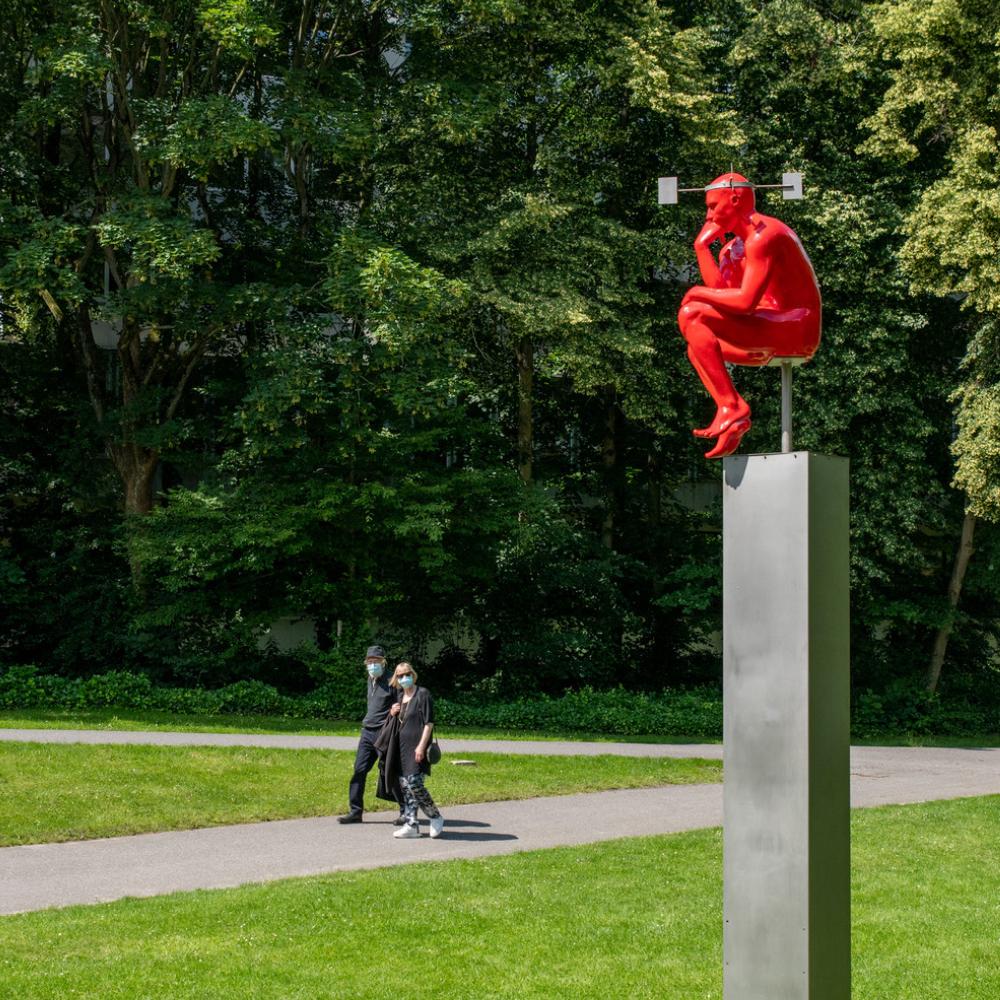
[413,716]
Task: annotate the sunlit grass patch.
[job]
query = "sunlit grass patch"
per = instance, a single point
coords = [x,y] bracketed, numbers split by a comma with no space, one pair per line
[54,792]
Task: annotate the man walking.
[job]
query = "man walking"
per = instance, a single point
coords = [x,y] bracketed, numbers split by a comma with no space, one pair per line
[381,699]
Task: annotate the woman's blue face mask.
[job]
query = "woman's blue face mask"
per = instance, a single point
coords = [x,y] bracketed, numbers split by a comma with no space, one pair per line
[406,681]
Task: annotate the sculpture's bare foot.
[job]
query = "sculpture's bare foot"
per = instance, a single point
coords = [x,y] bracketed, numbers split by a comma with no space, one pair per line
[729,439]
[724,417]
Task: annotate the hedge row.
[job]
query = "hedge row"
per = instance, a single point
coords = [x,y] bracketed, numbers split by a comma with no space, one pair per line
[693,714]
[904,707]
[26,687]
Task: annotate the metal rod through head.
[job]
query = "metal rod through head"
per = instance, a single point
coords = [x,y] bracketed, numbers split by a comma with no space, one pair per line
[667,189]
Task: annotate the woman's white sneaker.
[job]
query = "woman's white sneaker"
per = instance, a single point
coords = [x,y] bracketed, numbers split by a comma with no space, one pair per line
[437,825]
[408,832]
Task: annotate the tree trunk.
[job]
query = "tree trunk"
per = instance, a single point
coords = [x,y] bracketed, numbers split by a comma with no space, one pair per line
[525,353]
[137,469]
[138,481]
[962,557]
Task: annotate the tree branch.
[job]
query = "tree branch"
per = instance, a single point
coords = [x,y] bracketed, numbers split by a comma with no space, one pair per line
[88,353]
[196,354]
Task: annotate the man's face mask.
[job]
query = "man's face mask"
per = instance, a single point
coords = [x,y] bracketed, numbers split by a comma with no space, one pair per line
[375,669]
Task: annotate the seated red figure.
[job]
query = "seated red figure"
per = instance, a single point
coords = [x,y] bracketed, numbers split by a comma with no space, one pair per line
[760,302]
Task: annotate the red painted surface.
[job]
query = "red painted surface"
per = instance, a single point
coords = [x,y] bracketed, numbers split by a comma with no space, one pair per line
[759,301]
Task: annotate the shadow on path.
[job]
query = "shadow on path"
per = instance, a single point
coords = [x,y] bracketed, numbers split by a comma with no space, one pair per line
[476,838]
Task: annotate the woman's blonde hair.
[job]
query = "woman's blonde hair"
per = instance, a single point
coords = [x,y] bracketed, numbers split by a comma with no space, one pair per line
[402,663]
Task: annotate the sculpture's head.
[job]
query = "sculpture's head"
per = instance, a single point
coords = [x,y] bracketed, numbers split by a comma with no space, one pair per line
[729,198]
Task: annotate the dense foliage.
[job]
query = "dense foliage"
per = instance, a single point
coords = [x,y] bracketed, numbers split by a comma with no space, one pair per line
[694,713]
[363,314]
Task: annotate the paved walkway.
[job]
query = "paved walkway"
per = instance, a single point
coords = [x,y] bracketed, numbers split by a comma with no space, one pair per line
[45,875]
[711,751]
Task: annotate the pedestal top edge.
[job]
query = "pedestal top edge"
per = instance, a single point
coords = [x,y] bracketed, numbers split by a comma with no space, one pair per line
[781,455]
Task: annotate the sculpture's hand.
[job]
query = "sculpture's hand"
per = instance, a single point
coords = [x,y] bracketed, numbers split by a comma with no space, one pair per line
[710,232]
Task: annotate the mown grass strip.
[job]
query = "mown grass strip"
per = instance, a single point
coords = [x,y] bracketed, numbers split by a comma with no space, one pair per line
[633,918]
[53,792]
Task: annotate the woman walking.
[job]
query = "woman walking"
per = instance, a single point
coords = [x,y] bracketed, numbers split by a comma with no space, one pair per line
[416,723]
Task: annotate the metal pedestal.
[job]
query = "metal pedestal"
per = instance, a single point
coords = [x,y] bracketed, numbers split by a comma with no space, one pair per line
[786,728]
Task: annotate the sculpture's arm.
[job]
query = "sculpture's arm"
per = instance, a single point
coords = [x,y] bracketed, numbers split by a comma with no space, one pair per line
[742,300]
[710,272]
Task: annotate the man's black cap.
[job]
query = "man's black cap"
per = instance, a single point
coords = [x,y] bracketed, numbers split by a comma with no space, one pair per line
[375,651]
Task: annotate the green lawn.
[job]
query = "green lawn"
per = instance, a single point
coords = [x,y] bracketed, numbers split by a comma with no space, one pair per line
[632,919]
[51,792]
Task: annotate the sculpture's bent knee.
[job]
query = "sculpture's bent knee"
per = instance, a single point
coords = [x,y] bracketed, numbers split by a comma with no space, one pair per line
[688,312]
[694,332]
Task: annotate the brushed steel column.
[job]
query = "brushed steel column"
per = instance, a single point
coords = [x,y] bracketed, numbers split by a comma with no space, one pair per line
[786,728]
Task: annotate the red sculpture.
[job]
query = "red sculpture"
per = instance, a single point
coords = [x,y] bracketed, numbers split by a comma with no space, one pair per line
[760,303]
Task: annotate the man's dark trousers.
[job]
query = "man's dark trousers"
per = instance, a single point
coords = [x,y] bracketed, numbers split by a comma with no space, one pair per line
[365,760]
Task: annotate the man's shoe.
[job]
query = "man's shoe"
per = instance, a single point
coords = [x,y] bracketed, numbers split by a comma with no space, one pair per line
[408,832]
[437,825]
[399,820]
[350,818]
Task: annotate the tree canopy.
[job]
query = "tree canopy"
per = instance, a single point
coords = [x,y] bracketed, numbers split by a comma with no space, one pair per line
[364,314]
